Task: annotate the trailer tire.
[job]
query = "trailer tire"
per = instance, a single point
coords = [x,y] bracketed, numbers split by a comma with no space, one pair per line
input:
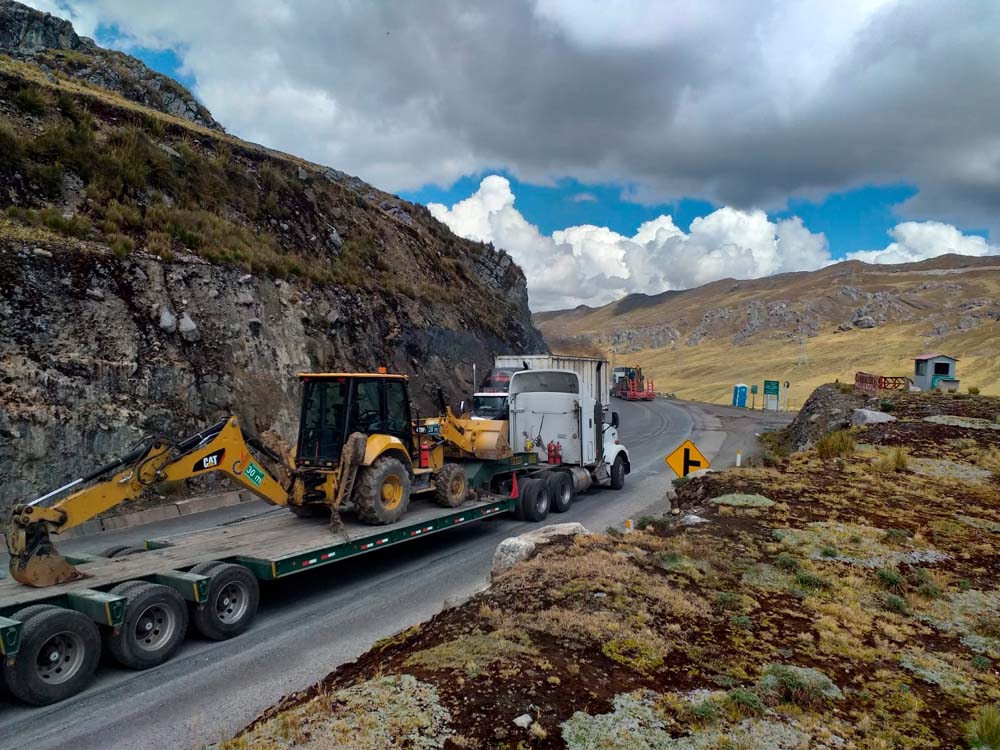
[451,486]
[231,604]
[535,499]
[205,568]
[618,473]
[156,620]
[382,493]
[60,649]
[560,490]
[117,550]
[26,613]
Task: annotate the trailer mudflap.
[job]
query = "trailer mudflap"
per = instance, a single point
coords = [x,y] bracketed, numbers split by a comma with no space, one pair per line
[10,639]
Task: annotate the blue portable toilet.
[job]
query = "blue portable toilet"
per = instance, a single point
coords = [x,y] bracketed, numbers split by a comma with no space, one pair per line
[740,395]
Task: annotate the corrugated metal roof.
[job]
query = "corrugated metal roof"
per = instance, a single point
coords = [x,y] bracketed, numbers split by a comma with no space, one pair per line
[935,356]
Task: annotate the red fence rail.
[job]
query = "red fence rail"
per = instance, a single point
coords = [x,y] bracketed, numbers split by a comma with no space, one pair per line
[866,381]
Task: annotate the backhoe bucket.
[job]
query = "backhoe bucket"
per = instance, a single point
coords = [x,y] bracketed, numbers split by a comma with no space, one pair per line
[34,560]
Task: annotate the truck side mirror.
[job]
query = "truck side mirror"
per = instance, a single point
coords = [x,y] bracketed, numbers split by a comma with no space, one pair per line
[614,419]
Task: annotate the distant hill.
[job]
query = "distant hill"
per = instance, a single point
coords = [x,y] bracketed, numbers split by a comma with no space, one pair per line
[807,328]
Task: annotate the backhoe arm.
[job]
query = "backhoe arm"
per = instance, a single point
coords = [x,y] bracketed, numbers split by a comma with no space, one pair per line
[222,447]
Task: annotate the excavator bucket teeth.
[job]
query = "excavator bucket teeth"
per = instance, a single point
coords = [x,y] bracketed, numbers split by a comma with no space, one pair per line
[38,564]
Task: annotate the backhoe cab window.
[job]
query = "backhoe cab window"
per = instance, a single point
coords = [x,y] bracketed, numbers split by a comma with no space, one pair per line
[324,412]
[333,409]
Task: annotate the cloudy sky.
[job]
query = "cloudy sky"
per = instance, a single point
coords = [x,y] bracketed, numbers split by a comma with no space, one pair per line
[617,147]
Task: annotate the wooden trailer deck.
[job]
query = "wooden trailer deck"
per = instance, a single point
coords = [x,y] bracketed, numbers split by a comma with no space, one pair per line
[273,545]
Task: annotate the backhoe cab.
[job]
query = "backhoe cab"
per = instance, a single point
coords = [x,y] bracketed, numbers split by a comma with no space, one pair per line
[360,447]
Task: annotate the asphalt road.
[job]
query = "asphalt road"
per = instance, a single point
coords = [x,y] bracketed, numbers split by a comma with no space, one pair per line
[310,623]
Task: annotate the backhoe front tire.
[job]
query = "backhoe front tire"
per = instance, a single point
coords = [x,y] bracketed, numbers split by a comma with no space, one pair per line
[382,491]
[156,620]
[451,486]
[60,649]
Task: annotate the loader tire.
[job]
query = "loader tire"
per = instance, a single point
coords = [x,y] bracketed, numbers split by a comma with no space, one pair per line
[231,604]
[560,490]
[382,492]
[60,649]
[535,499]
[156,620]
[451,486]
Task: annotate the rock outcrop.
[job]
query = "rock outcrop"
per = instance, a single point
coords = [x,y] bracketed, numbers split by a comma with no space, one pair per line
[51,43]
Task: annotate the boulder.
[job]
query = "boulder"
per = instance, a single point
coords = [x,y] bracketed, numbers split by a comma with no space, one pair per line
[516,548]
[865,321]
[189,331]
[870,416]
[168,321]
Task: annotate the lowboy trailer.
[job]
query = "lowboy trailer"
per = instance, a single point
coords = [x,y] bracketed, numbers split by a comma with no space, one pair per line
[140,604]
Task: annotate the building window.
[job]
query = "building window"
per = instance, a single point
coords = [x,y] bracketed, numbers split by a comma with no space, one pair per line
[921,367]
[942,368]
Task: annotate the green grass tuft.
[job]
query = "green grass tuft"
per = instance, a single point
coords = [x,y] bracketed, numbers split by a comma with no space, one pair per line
[983,730]
[835,445]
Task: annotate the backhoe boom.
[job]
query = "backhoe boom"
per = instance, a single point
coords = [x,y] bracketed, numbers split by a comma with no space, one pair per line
[222,447]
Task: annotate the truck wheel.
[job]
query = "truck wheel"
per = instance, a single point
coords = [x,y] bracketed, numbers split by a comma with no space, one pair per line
[451,486]
[560,490]
[59,652]
[618,473]
[382,492]
[233,596]
[156,619]
[26,613]
[535,499]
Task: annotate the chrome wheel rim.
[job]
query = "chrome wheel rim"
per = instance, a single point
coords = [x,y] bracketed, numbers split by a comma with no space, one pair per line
[232,602]
[60,658]
[542,502]
[155,627]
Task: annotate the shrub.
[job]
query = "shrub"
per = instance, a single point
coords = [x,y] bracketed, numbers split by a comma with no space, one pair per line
[895,459]
[845,388]
[983,730]
[973,390]
[705,711]
[10,147]
[981,663]
[800,685]
[886,406]
[895,603]
[642,653]
[655,523]
[727,600]
[743,622]
[31,100]
[895,535]
[891,579]
[121,244]
[745,701]
[808,579]
[786,562]
[836,444]
[829,552]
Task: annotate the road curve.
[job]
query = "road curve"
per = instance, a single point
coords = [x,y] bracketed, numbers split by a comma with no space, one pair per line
[311,623]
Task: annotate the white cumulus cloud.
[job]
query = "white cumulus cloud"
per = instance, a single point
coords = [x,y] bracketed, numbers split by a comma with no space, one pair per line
[595,265]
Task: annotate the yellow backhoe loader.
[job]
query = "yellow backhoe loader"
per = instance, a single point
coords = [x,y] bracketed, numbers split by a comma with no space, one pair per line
[358,447]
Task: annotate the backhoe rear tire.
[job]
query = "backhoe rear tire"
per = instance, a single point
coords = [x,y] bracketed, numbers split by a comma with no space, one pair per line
[156,619]
[451,486]
[382,491]
[60,649]
[231,604]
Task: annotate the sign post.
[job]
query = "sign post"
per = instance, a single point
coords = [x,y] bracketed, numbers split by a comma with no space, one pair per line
[753,396]
[772,391]
[687,458]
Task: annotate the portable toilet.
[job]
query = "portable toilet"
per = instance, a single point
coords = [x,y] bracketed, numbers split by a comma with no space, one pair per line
[932,371]
[740,395]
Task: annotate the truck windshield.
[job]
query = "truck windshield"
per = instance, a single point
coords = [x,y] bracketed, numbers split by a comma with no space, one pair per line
[490,407]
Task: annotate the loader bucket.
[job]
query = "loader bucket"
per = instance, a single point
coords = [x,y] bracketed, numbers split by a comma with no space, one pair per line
[36,562]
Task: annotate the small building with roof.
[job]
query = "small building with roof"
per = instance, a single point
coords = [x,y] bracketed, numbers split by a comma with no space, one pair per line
[931,371]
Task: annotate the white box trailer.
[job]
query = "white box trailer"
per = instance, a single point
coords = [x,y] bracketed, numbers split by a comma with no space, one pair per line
[594,374]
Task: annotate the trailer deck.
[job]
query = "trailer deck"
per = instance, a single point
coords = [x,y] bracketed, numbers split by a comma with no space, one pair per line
[272,545]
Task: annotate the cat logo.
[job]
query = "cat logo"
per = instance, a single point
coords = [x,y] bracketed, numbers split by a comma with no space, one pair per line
[211,461]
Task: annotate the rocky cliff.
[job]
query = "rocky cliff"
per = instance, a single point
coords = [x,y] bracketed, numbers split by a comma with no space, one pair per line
[156,275]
